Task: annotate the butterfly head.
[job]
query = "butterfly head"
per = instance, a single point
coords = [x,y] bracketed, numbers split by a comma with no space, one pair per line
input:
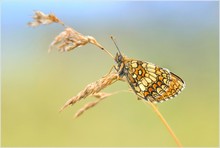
[118,58]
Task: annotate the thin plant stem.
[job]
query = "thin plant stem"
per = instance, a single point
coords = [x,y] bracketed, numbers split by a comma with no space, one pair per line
[108,52]
[164,122]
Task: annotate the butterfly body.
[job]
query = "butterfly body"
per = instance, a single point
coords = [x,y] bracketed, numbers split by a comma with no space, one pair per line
[149,81]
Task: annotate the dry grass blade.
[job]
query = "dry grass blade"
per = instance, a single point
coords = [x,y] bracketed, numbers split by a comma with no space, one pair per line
[44,19]
[164,122]
[69,39]
[93,88]
[86,107]
[100,96]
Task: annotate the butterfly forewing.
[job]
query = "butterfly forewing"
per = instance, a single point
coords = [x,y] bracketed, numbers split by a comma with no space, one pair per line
[151,82]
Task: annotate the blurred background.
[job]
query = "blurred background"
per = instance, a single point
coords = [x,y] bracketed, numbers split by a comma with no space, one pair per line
[180,36]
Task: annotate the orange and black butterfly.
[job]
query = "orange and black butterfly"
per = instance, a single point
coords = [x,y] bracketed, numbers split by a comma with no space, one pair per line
[149,81]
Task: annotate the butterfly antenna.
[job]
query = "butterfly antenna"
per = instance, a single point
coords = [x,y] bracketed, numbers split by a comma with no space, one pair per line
[116,45]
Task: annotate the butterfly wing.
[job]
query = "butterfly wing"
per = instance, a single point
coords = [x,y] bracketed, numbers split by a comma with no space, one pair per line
[151,82]
[175,87]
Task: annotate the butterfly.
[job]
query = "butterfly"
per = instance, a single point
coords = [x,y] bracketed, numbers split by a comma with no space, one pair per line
[147,80]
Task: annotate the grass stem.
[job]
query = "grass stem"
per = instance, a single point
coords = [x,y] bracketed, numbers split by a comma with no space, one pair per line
[164,122]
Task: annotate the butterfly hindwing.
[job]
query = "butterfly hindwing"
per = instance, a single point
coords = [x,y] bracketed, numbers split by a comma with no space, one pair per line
[151,82]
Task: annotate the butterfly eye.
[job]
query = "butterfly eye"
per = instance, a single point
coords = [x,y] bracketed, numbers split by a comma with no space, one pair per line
[118,57]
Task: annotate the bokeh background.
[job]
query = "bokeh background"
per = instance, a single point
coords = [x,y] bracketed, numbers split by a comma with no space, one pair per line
[180,36]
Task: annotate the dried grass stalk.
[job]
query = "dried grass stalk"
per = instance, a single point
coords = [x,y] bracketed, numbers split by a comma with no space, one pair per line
[93,89]
[100,96]
[164,122]
[70,39]
[44,19]
[67,40]
[86,107]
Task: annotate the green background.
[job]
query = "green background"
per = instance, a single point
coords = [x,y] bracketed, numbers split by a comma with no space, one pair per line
[180,36]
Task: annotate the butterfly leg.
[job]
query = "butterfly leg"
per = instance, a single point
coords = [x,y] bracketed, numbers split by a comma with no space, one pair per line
[139,98]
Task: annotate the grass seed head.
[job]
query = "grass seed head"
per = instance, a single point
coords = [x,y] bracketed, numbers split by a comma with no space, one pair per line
[69,39]
[86,107]
[44,19]
[93,89]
